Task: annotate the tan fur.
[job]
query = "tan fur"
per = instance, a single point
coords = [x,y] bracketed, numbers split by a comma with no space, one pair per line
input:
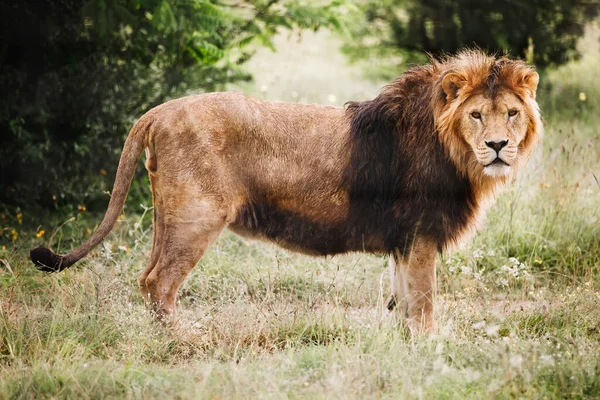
[215,145]
[280,172]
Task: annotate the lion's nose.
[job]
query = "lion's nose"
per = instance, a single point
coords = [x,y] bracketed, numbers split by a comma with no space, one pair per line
[497,146]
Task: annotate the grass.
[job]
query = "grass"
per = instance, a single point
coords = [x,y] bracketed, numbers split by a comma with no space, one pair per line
[518,307]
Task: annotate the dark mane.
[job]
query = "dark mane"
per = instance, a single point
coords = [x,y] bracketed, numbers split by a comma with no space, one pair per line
[400,180]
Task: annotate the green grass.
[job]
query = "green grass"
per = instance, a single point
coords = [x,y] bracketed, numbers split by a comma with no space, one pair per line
[518,307]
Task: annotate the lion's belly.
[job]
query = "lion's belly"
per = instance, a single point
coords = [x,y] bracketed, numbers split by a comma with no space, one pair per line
[304,234]
[295,244]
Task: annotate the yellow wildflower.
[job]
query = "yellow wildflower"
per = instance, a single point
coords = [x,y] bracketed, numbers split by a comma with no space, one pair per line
[20,218]
[582,96]
[88,230]
[14,235]
[81,208]
[40,234]
[3,248]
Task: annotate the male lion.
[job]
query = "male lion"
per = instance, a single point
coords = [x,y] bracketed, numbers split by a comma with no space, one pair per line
[407,173]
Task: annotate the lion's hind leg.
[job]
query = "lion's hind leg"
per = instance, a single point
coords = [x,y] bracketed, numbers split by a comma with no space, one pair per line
[399,291]
[158,227]
[190,226]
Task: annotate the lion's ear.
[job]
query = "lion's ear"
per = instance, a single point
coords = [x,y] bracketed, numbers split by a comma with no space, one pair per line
[530,81]
[451,84]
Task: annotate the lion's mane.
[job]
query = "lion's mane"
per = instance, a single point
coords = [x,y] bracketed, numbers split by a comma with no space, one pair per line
[407,151]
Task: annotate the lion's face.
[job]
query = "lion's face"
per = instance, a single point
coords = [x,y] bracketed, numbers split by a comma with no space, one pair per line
[488,117]
[494,128]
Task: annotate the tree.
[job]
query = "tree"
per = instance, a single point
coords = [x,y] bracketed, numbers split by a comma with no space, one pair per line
[75,74]
[543,31]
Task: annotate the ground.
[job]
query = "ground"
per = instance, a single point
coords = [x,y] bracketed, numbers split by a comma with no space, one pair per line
[518,307]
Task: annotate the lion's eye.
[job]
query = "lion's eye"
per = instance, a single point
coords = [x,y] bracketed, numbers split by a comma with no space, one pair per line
[476,115]
[512,113]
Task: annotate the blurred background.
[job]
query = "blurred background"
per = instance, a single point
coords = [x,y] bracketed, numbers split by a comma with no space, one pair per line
[76,74]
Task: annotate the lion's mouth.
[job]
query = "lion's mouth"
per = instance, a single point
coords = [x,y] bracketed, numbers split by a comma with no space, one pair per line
[497,161]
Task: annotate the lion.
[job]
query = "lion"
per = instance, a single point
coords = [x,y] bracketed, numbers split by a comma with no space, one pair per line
[409,173]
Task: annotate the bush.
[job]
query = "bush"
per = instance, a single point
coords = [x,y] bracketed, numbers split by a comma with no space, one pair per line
[76,74]
[543,32]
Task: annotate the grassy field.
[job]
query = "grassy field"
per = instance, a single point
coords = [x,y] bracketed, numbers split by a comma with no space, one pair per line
[518,309]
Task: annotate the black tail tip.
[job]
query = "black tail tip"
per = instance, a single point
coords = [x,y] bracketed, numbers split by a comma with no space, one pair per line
[46,260]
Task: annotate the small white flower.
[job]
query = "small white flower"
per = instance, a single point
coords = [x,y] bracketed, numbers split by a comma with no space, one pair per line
[478,325]
[471,375]
[492,330]
[516,361]
[466,270]
[523,266]
[547,360]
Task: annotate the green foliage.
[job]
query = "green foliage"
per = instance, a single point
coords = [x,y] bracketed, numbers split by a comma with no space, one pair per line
[76,74]
[544,32]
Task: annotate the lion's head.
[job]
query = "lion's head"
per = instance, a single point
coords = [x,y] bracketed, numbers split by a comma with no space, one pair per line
[486,114]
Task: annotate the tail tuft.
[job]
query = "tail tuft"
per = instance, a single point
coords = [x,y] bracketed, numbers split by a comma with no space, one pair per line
[46,260]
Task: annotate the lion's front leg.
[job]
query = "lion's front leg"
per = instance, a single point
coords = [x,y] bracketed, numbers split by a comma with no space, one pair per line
[416,271]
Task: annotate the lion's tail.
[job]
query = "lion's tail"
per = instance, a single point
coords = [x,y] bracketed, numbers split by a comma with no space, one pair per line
[48,261]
